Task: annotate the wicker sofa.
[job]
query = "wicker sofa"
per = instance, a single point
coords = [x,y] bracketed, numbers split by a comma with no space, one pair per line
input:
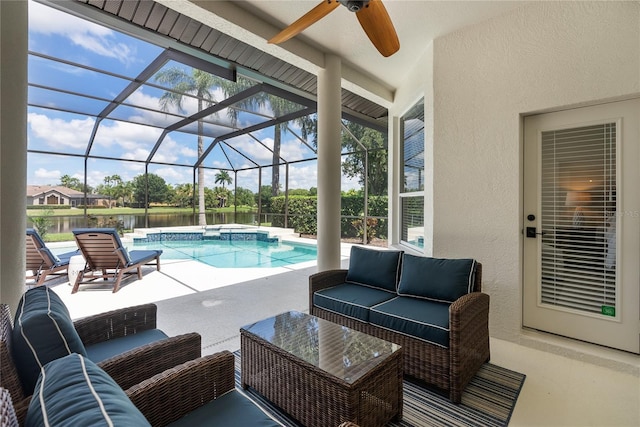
[433,307]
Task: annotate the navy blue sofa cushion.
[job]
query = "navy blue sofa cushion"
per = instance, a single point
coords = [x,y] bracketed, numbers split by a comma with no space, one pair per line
[436,278]
[375,268]
[43,331]
[113,347]
[351,300]
[73,391]
[139,256]
[419,318]
[230,410]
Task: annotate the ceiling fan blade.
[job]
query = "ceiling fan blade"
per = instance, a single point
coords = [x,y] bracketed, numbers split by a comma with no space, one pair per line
[314,15]
[375,21]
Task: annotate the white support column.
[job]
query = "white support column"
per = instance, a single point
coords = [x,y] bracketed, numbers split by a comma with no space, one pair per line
[13,149]
[329,165]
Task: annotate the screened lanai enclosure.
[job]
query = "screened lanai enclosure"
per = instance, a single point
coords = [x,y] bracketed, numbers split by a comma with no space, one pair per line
[133,105]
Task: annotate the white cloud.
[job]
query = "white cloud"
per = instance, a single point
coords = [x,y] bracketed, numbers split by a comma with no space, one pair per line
[173,175]
[220,164]
[96,177]
[168,151]
[188,152]
[143,100]
[61,133]
[50,176]
[294,150]
[210,177]
[129,136]
[136,154]
[136,168]
[302,177]
[90,36]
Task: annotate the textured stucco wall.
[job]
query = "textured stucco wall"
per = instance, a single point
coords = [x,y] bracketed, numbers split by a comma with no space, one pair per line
[543,56]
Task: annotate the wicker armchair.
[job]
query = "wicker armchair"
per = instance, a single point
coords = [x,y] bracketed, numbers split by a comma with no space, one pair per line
[170,395]
[126,369]
[193,387]
[449,369]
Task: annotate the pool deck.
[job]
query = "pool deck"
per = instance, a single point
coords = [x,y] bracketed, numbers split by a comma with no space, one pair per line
[194,297]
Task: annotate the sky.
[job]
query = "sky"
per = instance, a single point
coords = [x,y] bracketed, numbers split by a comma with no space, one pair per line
[131,131]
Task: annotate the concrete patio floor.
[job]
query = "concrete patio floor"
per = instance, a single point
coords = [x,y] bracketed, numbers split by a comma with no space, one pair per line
[193,296]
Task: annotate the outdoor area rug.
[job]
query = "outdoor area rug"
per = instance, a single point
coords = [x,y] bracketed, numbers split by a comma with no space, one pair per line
[488,400]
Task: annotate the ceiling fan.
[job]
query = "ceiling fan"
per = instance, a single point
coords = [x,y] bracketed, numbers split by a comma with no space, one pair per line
[373,17]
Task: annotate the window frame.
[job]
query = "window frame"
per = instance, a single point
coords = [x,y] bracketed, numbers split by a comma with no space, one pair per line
[405,194]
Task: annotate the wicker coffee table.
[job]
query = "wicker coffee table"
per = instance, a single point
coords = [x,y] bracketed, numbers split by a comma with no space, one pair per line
[321,373]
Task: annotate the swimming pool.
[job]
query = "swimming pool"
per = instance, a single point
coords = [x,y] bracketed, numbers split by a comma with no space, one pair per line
[239,252]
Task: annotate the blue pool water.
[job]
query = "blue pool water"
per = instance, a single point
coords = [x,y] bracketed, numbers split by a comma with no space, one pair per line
[234,253]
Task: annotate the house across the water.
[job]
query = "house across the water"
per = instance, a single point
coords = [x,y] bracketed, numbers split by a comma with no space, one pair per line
[59,195]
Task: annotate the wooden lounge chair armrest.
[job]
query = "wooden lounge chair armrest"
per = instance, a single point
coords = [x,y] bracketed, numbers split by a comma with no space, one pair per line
[136,365]
[116,323]
[325,279]
[176,392]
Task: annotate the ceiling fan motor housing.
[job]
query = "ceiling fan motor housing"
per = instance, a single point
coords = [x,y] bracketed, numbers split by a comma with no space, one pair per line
[354,5]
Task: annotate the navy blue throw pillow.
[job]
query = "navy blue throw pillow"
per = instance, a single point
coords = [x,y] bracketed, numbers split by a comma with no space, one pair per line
[436,279]
[375,268]
[43,331]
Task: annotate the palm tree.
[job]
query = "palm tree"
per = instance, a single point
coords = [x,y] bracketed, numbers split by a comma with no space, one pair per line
[184,194]
[223,178]
[198,83]
[110,189]
[279,106]
[127,191]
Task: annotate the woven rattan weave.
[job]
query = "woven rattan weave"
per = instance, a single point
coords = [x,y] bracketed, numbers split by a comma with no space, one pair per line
[321,373]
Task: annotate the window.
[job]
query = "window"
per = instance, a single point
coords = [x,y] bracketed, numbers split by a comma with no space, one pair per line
[412,174]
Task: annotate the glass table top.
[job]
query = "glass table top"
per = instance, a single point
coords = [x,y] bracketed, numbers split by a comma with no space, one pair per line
[338,350]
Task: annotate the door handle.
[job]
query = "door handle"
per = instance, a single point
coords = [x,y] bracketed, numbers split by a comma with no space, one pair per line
[532,232]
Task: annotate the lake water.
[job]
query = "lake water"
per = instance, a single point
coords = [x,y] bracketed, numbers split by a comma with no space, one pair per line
[64,224]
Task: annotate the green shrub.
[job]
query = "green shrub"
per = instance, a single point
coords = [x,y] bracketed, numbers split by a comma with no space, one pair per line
[303,210]
[302,213]
[47,207]
[43,222]
[92,207]
[372,227]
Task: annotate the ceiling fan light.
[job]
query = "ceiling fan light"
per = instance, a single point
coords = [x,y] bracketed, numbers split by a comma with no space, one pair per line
[354,5]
